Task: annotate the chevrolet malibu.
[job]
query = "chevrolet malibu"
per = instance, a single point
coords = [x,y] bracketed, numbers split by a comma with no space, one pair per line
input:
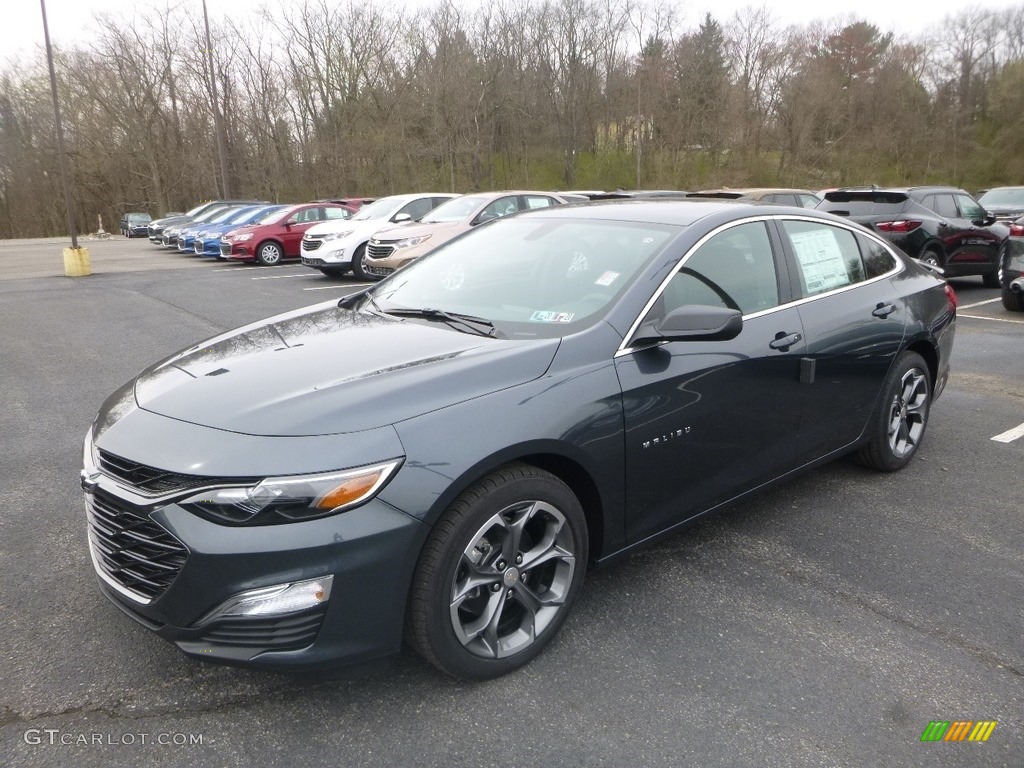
[442,456]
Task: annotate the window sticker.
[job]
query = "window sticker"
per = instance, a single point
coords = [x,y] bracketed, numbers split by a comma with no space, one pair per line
[552,317]
[607,278]
[821,260]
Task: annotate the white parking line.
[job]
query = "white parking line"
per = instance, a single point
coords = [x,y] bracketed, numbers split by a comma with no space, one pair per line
[1010,435]
[979,303]
[996,319]
[238,268]
[281,277]
[336,287]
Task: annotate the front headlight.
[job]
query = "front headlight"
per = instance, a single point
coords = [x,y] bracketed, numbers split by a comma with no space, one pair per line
[336,235]
[410,241]
[293,498]
[241,238]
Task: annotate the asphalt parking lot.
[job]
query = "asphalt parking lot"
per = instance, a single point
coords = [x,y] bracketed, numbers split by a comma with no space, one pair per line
[823,623]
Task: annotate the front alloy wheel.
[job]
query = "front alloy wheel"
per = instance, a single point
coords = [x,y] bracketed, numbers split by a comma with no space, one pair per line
[498,574]
[269,254]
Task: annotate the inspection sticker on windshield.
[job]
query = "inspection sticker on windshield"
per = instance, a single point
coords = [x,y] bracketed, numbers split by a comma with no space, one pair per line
[607,278]
[552,317]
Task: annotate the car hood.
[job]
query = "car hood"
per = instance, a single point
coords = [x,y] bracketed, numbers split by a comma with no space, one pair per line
[446,229]
[1005,210]
[171,220]
[357,228]
[325,370]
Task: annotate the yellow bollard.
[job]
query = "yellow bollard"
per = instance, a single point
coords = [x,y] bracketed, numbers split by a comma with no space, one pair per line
[76,262]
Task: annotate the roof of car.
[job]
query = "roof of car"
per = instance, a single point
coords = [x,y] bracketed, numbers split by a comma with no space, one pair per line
[681,212]
[752,191]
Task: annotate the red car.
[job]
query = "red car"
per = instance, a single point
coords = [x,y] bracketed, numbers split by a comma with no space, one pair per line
[278,236]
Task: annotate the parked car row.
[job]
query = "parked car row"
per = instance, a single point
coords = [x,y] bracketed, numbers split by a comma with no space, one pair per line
[943,227]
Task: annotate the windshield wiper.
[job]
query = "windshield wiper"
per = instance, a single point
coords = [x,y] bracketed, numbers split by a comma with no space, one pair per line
[478,325]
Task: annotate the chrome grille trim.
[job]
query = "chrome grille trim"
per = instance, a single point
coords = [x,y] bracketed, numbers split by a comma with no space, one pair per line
[379,250]
[130,552]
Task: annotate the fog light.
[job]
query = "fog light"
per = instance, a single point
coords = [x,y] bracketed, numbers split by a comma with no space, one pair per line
[276,600]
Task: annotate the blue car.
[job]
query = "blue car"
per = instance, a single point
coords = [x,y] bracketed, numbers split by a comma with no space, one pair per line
[207,240]
[187,235]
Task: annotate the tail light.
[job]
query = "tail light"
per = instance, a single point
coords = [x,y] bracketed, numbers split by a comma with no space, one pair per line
[1017,229]
[900,227]
[951,296]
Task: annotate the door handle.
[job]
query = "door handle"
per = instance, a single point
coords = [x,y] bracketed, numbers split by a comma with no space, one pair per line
[883,310]
[784,341]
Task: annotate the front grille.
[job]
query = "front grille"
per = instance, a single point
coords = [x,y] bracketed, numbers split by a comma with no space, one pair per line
[311,242]
[379,250]
[311,262]
[377,271]
[278,634]
[151,481]
[130,548]
[198,246]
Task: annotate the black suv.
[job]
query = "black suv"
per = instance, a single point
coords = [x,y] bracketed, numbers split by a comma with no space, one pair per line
[942,226]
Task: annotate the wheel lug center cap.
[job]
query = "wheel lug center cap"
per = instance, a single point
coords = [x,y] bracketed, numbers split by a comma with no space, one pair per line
[510,577]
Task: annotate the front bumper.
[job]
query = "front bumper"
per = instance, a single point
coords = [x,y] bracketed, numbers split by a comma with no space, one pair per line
[237,250]
[370,551]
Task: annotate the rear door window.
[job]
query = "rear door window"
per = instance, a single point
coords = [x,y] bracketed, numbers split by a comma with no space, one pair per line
[944,206]
[827,257]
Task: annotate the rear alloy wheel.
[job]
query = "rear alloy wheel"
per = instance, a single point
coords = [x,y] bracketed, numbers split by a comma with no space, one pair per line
[1013,301]
[269,253]
[498,574]
[357,264]
[931,257]
[899,424]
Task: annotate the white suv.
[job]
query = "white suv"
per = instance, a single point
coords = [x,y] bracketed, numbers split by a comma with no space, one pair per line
[335,247]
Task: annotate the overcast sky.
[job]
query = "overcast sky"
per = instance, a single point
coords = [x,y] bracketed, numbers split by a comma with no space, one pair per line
[21,24]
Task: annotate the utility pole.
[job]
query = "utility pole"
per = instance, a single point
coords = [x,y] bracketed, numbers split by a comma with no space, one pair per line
[76,260]
[218,123]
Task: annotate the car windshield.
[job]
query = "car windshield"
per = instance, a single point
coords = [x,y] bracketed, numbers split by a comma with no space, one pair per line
[139,217]
[454,210]
[1005,196]
[273,216]
[237,216]
[195,211]
[380,209]
[261,213]
[532,277]
[224,216]
[210,214]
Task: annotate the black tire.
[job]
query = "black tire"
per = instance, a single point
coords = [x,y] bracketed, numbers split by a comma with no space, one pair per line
[1013,301]
[931,256]
[898,425]
[269,253]
[464,559]
[990,279]
[357,265]
[333,271]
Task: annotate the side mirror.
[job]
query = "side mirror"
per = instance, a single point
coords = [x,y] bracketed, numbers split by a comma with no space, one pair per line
[399,218]
[986,221]
[692,323]
[291,221]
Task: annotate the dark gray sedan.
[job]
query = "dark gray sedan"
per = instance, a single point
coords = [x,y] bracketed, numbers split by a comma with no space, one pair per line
[443,456]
